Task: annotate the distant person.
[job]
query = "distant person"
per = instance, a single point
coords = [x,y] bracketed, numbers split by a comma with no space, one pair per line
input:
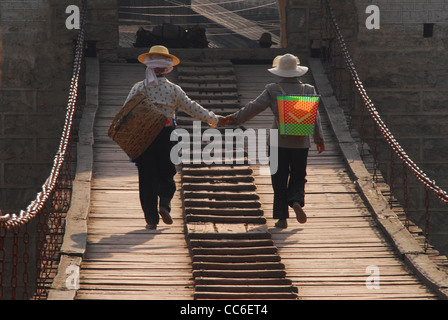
[265,40]
[143,38]
[289,181]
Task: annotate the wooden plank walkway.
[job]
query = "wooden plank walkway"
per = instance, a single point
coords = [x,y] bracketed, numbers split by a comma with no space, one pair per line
[124,260]
[329,256]
[232,251]
[325,258]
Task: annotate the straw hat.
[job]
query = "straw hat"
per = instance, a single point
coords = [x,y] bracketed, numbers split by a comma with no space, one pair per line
[288,66]
[275,61]
[160,50]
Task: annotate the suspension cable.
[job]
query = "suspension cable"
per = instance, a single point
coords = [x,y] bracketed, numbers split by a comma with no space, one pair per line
[176,6]
[396,147]
[197,14]
[11,220]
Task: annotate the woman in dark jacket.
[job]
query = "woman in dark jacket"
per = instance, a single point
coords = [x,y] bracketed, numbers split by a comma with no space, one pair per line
[288,181]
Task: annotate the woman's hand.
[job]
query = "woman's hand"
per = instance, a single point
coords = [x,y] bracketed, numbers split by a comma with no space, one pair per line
[320,147]
[224,121]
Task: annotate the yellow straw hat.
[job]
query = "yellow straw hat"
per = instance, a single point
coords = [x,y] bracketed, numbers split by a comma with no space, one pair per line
[161,50]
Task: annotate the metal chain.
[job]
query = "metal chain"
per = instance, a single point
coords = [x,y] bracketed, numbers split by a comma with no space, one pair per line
[392,178]
[427,217]
[405,195]
[11,220]
[15,263]
[375,154]
[396,147]
[26,261]
[2,259]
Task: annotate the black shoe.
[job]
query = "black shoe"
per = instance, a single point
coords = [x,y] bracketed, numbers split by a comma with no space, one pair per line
[165,214]
[282,223]
[300,214]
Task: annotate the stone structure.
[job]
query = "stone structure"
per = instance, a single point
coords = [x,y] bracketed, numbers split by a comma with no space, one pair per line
[37,55]
[36,71]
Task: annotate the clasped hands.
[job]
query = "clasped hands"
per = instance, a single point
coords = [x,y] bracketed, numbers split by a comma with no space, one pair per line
[225,121]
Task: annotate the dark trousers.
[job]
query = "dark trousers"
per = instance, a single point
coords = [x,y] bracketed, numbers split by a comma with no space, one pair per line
[156,176]
[289,180]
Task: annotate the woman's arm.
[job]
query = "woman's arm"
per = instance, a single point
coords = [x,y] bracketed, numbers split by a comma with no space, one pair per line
[195,110]
[251,109]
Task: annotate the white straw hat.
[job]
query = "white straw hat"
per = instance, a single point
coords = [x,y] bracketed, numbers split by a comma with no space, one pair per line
[288,66]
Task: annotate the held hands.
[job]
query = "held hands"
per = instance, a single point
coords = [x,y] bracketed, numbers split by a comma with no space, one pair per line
[225,121]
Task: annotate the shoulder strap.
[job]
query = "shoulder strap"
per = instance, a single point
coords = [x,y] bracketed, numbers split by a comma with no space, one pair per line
[283,91]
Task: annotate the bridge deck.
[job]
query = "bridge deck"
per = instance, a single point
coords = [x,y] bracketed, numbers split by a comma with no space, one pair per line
[326,258]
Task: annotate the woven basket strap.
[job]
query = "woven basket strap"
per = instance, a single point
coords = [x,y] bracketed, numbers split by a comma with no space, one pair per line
[145,96]
[125,116]
[135,105]
[283,91]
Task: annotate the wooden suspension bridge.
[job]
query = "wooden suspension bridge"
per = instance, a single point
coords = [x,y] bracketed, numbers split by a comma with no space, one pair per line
[223,243]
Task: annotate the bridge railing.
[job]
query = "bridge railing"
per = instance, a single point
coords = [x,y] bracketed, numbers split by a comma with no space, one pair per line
[349,87]
[31,239]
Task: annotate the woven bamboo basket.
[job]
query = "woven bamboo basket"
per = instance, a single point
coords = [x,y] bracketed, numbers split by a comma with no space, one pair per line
[297,114]
[136,125]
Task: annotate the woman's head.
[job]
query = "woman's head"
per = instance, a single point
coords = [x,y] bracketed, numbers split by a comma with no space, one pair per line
[287,66]
[159,62]
[160,71]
